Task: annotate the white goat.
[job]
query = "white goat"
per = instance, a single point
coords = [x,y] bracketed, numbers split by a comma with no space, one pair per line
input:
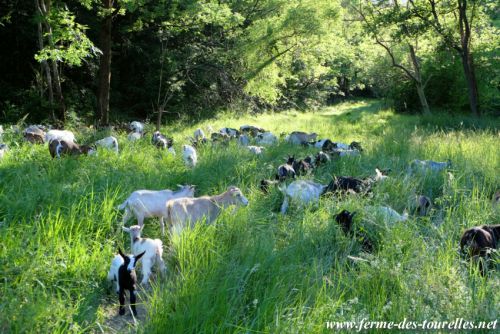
[153,249]
[243,140]
[62,135]
[256,149]
[189,155]
[266,138]
[116,263]
[428,165]
[182,211]
[379,176]
[109,143]
[388,214]
[133,136]
[298,137]
[150,203]
[137,127]
[199,134]
[301,192]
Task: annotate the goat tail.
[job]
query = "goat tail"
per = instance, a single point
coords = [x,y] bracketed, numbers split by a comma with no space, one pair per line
[123,205]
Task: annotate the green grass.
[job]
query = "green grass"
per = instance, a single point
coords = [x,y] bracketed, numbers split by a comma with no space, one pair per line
[255,271]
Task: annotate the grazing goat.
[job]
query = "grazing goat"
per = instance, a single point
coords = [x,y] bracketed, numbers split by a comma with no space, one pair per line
[321,158]
[182,211]
[345,220]
[137,127]
[256,149]
[303,166]
[388,214]
[199,135]
[265,184]
[243,140]
[162,142]
[347,184]
[251,130]
[428,166]
[150,203]
[266,139]
[3,148]
[301,192]
[34,134]
[134,136]
[63,147]
[109,143]
[479,242]
[61,135]
[423,205]
[230,132]
[299,138]
[127,280]
[220,137]
[286,170]
[152,249]
[189,155]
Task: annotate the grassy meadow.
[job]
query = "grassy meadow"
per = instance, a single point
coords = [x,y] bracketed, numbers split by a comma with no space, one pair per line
[254,271]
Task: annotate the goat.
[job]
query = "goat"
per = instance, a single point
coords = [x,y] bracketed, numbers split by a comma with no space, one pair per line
[265,184]
[479,242]
[321,158]
[63,147]
[345,220]
[230,132]
[388,214]
[256,149]
[286,170]
[109,143]
[189,155]
[152,249]
[137,127]
[298,137]
[61,135]
[182,211]
[243,140]
[303,166]
[266,139]
[3,148]
[34,134]
[134,136]
[347,184]
[127,280]
[251,130]
[150,203]
[428,166]
[423,205]
[302,192]
[199,135]
[220,137]
[162,142]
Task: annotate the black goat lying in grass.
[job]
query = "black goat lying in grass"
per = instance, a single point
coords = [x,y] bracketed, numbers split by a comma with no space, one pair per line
[345,220]
[478,242]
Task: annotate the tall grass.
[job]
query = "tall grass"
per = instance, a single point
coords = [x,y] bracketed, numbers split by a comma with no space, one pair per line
[255,270]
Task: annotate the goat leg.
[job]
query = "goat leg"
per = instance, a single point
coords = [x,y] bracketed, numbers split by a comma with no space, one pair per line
[122,301]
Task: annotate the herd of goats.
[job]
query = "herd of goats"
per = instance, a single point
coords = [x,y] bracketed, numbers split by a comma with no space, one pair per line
[181,209]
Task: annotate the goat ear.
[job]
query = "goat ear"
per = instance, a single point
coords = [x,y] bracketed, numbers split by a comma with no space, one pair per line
[139,256]
[125,229]
[121,253]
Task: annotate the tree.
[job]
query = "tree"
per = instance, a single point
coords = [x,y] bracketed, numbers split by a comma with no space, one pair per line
[390,25]
[454,22]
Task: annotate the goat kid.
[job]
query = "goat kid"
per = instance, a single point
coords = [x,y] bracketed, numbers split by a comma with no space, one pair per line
[127,280]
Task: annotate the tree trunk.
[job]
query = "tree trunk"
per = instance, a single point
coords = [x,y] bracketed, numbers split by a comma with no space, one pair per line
[59,94]
[105,66]
[45,65]
[158,120]
[418,81]
[470,78]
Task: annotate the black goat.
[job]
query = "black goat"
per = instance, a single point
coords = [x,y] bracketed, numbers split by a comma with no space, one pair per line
[479,241]
[345,220]
[127,280]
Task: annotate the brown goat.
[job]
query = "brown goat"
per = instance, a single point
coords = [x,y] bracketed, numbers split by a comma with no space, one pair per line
[63,147]
[478,241]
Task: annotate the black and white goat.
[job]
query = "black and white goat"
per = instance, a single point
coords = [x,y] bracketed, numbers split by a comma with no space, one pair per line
[162,142]
[126,278]
[286,170]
